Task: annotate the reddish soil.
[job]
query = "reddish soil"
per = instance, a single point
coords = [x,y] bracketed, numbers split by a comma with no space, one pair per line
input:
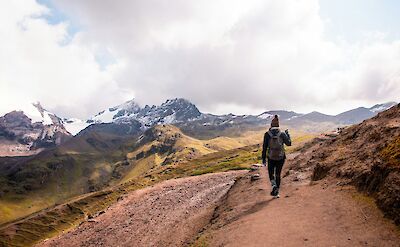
[168,214]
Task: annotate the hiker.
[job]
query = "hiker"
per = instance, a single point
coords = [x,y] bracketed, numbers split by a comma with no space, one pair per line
[273,145]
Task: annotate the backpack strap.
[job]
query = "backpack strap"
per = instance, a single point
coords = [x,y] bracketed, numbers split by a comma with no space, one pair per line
[271,135]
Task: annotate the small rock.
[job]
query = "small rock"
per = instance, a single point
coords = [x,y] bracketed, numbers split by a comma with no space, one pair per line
[255,177]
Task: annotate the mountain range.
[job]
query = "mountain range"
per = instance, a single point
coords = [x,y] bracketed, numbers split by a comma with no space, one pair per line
[30,131]
[185,114]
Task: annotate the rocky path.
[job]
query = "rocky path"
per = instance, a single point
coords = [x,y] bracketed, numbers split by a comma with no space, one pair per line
[168,214]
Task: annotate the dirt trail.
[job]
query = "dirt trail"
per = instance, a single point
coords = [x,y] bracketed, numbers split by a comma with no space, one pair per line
[318,215]
[167,214]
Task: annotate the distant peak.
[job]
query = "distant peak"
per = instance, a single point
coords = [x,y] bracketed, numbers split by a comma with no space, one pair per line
[177,100]
[382,107]
[131,102]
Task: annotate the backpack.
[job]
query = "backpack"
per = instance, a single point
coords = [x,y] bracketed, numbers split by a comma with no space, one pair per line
[276,150]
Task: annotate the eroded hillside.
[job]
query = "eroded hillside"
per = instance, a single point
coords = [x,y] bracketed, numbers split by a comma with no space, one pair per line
[366,155]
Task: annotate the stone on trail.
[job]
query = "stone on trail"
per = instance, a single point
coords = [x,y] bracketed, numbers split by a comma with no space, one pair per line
[255,177]
[255,167]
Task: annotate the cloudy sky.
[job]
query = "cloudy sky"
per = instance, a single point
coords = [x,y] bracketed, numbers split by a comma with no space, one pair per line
[78,57]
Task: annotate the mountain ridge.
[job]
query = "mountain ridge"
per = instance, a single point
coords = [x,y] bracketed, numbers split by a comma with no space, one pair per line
[130,118]
[164,113]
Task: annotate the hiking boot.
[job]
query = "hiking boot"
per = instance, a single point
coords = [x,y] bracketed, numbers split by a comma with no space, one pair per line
[274,191]
[274,187]
[277,192]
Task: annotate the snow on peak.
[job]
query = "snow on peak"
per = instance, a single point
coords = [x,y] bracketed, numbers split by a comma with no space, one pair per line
[265,115]
[124,110]
[180,101]
[171,111]
[38,114]
[74,125]
[129,105]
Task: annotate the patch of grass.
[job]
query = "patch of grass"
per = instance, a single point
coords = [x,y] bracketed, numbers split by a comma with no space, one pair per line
[391,153]
[142,166]
[364,199]
[202,241]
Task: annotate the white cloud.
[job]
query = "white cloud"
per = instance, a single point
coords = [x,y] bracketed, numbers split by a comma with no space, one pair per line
[228,55]
[36,64]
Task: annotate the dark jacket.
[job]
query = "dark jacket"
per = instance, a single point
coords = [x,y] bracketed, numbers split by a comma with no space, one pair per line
[285,137]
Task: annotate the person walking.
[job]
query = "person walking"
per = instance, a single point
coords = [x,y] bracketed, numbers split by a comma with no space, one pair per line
[274,151]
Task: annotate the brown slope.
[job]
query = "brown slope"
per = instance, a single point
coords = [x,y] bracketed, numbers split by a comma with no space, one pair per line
[168,214]
[366,155]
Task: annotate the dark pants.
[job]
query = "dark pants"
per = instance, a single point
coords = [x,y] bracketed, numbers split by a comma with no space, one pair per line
[275,169]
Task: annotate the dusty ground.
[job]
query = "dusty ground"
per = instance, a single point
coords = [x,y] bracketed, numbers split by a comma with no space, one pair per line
[167,214]
[213,210]
[316,215]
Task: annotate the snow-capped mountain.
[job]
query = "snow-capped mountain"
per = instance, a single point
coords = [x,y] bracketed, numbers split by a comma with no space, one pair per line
[121,112]
[30,130]
[187,116]
[171,112]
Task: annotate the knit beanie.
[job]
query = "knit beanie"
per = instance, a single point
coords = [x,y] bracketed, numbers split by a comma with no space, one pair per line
[275,122]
